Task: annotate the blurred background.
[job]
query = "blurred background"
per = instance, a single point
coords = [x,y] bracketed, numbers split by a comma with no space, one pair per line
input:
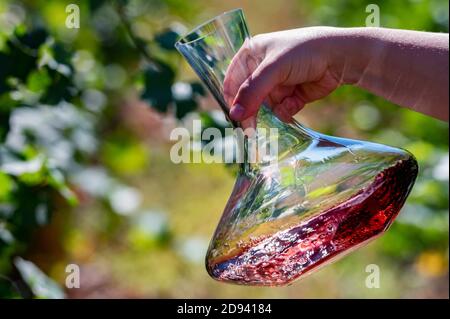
[85,173]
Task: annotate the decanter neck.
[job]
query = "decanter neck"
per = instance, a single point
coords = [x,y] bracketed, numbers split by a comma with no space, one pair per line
[273,140]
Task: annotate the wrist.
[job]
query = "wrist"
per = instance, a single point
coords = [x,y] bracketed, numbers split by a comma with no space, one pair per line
[354,54]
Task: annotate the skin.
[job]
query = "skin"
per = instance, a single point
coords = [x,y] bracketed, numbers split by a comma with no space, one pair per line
[289,69]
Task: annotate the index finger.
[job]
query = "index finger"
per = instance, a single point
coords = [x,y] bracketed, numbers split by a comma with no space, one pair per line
[241,67]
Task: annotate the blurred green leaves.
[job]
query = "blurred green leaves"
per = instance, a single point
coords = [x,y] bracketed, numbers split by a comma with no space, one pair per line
[158,83]
[41,134]
[38,80]
[430,15]
[167,39]
[160,89]
[6,186]
[41,285]
[125,156]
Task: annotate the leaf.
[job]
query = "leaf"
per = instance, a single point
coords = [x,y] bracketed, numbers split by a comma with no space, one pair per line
[186,97]
[17,168]
[20,58]
[157,86]
[183,107]
[62,55]
[5,62]
[57,61]
[6,186]
[5,234]
[167,39]
[97,4]
[60,89]
[38,80]
[56,180]
[15,63]
[40,284]
[198,89]
[32,39]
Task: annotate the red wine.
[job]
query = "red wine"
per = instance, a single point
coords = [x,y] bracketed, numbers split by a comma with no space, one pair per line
[288,254]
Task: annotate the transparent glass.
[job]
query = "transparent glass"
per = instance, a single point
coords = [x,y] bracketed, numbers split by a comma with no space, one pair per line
[321,198]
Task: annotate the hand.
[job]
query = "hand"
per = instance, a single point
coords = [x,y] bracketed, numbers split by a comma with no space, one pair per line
[285,69]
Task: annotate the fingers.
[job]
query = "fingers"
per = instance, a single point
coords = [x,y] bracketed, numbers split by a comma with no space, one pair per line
[254,90]
[264,73]
[237,72]
[313,91]
[278,94]
[241,67]
[245,85]
[290,106]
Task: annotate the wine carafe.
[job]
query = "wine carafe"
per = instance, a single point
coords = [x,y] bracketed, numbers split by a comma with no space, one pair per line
[322,197]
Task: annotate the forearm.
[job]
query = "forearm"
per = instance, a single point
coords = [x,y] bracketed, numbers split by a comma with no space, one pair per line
[409,68]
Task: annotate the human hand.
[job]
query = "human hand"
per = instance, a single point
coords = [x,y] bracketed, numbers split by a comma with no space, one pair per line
[285,69]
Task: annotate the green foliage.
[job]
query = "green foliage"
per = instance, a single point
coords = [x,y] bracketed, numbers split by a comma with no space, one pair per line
[167,39]
[35,70]
[125,156]
[50,109]
[160,89]
[158,84]
[41,286]
[407,14]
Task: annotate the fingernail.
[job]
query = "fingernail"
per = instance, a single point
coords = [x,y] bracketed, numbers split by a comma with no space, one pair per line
[237,112]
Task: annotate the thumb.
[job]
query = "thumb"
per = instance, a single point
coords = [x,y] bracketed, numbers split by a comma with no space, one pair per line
[254,90]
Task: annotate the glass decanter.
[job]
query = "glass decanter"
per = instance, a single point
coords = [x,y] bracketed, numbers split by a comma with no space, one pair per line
[323,196]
